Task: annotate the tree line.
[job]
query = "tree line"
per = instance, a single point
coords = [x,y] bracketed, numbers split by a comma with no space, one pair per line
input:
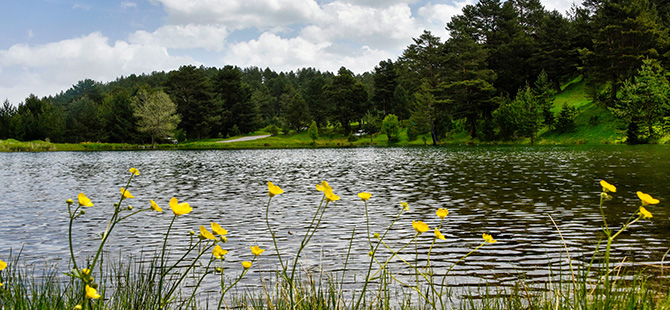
[493,78]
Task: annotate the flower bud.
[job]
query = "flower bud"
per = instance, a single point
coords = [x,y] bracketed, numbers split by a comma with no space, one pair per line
[192,233]
[82,212]
[371,253]
[219,270]
[223,239]
[94,285]
[69,201]
[130,208]
[77,307]
[376,235]
[116,204]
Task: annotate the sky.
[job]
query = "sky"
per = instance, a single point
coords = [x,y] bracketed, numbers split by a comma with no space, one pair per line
[49,45]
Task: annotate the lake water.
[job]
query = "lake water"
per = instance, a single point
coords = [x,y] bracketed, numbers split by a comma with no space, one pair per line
[507,191]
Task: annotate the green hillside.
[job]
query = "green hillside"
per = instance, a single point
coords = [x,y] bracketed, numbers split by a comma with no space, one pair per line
[595,124]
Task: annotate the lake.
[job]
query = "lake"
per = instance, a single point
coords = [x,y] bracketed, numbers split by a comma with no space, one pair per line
[507,191]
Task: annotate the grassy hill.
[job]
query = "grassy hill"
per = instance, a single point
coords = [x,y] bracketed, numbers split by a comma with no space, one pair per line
[595,124]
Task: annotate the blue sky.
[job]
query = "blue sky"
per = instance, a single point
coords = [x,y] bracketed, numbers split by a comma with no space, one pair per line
[49,45]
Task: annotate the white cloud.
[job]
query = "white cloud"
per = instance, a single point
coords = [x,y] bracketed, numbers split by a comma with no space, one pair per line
[290,54]
[435,17]
[50,68]
[240,14]
[390,27]
[128,4]
[209,37]
[562,6]
[84,7]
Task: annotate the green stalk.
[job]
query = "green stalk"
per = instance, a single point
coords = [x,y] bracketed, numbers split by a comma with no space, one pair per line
[367,276]
[162,265]
[274,240]
[223,293]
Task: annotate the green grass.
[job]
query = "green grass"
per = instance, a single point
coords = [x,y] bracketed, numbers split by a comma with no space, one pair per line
[595,124]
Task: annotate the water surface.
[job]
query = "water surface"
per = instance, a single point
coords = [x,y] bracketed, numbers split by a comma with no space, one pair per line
[510,192]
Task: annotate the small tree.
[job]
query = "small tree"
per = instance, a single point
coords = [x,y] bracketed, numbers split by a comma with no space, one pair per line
[313,132]
[156,114]
[391,127]
[566,119]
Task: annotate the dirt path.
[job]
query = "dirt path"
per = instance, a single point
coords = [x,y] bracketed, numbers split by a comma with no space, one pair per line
[244,139]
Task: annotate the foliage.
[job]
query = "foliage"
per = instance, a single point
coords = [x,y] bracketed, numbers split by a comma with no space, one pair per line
[313,131]
[627,32]
[155,113]
[348,97]
[644,100]
[391,127]
[566,119]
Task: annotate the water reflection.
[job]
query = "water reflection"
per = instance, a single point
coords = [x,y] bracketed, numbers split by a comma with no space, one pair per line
[507,191]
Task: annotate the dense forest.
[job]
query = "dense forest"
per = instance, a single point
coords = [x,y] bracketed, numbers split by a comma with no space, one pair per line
[493,78]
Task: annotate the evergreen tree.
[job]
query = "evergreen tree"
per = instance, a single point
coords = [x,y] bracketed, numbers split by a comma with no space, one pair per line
[314,96]
[7,114]
[385,83]
[190,88]
[644,99]
[469,89]
[422,62]
[348,97]
[628,31]
[297,116]
[116,116]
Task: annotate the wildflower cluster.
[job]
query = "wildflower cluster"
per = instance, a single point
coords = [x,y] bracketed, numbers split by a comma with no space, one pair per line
[205,242]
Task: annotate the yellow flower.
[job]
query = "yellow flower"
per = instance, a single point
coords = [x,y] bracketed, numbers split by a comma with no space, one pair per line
[274,190]
[646,199]
[644,213]
[364,196]
[404,206]
[91,293]
[85,271]
[246,264]
[488,238]
[134,171]
[420,226]
[126,194]
[3,265]
[442,213]
[179,208]
[256,250]
[155,207]
[77,307]
[205,233]
[216,228]
[607,187]
[331,197]
[439,235]
[218,252]
[84,201]
[324,187]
